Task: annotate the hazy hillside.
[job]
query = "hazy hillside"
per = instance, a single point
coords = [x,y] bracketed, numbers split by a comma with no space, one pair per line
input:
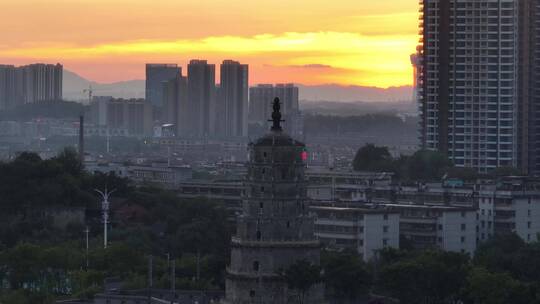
[333,92]
[75,84]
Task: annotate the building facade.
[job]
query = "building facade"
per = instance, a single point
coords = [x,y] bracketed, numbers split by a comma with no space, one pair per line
[30,84]
[478,82]
[156,74]
[364,230]
[201,86]
[275,228]
[233,99]
[175,97]
[132,115]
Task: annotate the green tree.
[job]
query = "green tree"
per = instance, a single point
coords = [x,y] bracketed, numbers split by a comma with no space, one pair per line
[373,158]
[345,274]
[301,276]
[484,287]
[425,277]
[427,165]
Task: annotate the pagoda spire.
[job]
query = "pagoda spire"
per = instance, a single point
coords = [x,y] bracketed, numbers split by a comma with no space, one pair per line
[276,116]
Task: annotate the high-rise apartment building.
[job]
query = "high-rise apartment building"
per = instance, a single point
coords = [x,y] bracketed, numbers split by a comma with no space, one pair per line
[233,99]
[156,74]
[479,82]
[260,106]
[8,96]
[41,82]
[260,103]
[132,115]
[175,96]
[29,84]
[201,84]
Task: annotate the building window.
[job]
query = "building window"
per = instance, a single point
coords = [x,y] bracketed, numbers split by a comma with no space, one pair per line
[462,239]
[463,227]
[529,225]
[385,229]
[256,266]
[252,293]
[258,235]
[361,242]
[440,227]
[385,242]
[385,217]
[463,214]
[529,213]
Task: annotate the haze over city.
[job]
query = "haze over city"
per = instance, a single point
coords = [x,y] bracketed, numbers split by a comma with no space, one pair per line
[303,41]
[269,152]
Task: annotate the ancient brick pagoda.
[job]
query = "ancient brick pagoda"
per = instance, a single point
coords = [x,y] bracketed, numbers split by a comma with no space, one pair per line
[275,229]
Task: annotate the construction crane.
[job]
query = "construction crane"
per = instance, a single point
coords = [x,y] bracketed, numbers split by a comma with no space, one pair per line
[90,91]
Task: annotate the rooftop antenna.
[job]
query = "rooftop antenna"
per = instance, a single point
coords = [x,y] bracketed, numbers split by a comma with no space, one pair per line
[105,209]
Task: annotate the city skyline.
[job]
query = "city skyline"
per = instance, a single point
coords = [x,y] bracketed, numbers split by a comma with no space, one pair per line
[302,42]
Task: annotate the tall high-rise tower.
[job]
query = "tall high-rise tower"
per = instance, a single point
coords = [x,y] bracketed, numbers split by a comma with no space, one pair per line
[201,85]
[156,74]
[233,99]
[275,229]
[478,77]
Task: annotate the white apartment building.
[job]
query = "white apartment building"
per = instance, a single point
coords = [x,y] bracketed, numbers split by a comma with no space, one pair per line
[503,211]
[432,226]
[364,230]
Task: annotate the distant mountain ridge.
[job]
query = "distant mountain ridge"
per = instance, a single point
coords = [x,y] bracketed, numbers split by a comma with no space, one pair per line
[74,85]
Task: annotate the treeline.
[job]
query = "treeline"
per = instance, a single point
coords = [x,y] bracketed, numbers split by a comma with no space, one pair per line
[423,165]
[48,109]
[333,125]
[503,270]
[40,261]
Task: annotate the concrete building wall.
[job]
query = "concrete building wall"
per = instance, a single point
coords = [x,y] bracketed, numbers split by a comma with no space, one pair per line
[380,231]
[458,231]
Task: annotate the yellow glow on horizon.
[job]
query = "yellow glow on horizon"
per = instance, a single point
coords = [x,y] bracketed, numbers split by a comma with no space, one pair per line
[347,57]
[351,42]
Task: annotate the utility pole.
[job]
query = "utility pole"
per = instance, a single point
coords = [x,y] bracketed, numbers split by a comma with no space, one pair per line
[173,279]
[86,231]
[150,282]
[198,265]
[105,209]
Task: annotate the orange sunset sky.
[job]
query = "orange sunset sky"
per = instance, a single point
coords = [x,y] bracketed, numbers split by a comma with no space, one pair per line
[352,42]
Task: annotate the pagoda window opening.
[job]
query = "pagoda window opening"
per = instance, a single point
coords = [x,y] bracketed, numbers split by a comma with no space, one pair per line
[258,235]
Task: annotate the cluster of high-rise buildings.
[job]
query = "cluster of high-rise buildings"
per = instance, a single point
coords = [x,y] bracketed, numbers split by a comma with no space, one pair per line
[478,82]
[29,84]
[120,117]
[195,106]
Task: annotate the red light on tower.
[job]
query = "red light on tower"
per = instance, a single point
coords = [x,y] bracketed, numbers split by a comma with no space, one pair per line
[304,155]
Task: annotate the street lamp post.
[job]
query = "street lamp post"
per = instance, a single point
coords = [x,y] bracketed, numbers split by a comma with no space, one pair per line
[105,209]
